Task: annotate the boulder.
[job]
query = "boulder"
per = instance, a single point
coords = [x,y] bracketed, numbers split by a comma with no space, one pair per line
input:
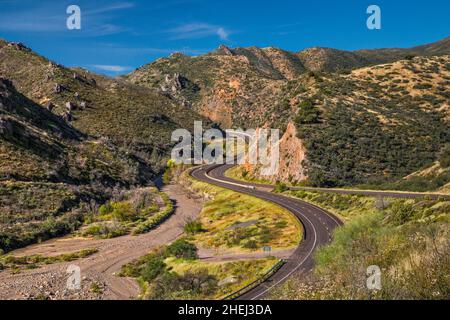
[228,280]
[185,103]
[174,82]
[58,88]
[19,46]
[70,106]
[67,116]
[177,55]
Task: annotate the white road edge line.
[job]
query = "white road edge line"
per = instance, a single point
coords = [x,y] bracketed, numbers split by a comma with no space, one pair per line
[292,209]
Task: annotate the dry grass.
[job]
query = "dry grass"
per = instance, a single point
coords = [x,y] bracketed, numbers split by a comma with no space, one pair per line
[270,225]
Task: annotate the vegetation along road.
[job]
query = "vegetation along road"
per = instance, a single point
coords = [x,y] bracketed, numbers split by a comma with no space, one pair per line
[317,223]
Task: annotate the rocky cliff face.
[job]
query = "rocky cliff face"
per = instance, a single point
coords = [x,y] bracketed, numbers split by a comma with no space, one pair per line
[292,160]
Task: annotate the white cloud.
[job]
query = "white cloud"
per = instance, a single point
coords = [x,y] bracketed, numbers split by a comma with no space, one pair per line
[111,68]
[47,17]
[198,30]
[223,34]
[111,7]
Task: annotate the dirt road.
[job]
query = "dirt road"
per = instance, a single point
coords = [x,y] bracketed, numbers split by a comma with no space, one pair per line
[49,281]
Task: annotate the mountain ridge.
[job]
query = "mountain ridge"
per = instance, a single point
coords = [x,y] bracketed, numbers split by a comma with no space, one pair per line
[253,88]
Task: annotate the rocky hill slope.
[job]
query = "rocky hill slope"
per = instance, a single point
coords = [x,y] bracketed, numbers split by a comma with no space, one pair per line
[376,124]
[135,118]
[69,139]
[50,171]
[361,117]
[235,87]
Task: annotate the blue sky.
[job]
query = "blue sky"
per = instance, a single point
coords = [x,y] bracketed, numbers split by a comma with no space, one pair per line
[119,36]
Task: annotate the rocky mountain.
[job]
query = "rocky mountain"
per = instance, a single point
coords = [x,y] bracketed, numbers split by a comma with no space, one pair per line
[361,116]
[332,60]
[225,85]
[235,87]
[377,56]
[136,118]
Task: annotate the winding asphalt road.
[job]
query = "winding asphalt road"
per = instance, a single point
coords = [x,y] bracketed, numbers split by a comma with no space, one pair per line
[318,225]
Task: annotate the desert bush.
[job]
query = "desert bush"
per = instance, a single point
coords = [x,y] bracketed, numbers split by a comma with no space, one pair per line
[156,219]
[444,158]
[409,244]
[400,213]
[422,86]
[193,227]
[190,285]
[182,249]
[106,230]
[280,187]
[153,267]
[307,113]
[250,244]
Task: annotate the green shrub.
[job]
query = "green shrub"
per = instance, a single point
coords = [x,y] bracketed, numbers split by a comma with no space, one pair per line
[444,158]
[423,86]
[153,268]
[105,230]
[182,249]
[307,113]
[157,219]
[193,227]
[250,244]
[105,209]
[191,285]
[34,261]
[400,213]
[280,187]
[123,211]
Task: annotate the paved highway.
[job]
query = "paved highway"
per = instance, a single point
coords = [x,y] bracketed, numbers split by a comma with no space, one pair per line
[370,193]
[318,225]
[376,193]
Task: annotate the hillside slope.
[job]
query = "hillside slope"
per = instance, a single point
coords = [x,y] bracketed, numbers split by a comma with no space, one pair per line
[50,172]
[367,116]
[70,140]
[138,119]
[231,87]
[378,123]
[236,87]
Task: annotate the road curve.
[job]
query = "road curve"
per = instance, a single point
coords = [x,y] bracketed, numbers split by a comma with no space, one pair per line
[318,225]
